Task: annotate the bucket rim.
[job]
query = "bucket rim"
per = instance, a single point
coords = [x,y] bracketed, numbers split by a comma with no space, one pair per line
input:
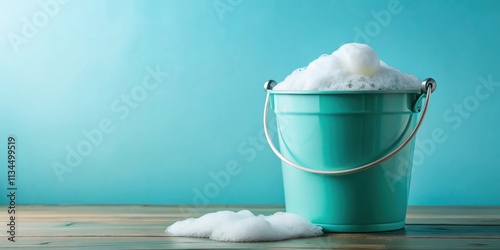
[343,92]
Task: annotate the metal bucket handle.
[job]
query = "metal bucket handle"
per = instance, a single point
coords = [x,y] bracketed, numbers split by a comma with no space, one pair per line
[428,86]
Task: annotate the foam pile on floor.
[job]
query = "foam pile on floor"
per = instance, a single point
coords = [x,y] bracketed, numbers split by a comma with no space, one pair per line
[244,226]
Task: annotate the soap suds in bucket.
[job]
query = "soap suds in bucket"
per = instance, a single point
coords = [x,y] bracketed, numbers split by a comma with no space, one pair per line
[353,66]
[244,226]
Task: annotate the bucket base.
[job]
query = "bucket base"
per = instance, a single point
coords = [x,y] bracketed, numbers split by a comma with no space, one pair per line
[362,228]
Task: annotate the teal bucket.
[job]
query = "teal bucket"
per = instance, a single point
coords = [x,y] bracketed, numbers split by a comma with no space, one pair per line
[347,155]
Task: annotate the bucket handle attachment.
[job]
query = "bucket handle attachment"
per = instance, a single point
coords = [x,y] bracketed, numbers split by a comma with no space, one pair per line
[428,86]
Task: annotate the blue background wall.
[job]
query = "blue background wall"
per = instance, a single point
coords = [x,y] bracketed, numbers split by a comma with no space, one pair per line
[191,133]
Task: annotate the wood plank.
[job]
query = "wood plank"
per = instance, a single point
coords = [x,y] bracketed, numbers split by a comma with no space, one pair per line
[142,226]
[416,211]
[196,243]
[453,215]
[137,229]
[416,215]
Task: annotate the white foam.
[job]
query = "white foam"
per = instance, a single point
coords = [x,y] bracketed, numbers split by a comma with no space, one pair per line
[244,226]
[353,66]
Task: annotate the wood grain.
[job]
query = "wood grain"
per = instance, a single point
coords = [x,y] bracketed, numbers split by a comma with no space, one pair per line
[142,227]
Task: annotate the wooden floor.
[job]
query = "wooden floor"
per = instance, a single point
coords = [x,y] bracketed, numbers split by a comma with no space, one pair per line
[142,227]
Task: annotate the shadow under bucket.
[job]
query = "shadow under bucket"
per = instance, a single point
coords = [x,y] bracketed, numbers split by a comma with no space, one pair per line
[347,155]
